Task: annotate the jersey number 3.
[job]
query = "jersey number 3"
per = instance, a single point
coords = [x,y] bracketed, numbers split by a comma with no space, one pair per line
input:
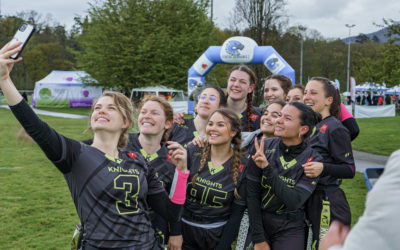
[131,185]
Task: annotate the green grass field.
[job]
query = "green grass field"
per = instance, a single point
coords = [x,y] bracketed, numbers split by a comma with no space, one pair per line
[36,209]
[378,135]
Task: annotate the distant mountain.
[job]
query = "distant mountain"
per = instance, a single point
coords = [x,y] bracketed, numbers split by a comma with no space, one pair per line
[379,36]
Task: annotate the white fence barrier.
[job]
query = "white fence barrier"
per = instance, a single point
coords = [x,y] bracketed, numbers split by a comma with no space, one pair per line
[374,111]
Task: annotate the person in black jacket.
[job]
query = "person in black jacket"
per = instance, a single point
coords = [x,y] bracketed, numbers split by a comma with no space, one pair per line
[277,187]
[110,188]
[332,141]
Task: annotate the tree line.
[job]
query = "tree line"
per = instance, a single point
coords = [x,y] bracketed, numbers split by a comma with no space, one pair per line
[126,44]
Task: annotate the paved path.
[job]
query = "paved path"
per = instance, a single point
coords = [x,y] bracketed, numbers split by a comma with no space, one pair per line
[367,160]
[55,114]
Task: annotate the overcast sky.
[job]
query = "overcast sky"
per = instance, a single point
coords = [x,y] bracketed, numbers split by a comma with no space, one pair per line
[327,16]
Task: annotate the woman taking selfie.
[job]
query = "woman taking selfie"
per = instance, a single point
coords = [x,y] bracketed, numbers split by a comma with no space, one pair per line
[332,141]
[110,188]
[277,187]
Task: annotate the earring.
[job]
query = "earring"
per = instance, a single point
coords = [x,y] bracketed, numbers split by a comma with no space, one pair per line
[299,135]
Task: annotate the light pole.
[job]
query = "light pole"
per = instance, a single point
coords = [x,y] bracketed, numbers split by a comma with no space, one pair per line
[348,55]
[302,29]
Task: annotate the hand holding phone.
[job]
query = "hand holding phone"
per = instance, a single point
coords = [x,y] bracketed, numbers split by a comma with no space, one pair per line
[23,34]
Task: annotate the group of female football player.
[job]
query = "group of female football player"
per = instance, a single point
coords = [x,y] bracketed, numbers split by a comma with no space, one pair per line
[271,175]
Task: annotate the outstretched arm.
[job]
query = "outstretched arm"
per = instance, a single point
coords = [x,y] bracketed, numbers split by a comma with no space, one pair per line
[47,138]
[6,64]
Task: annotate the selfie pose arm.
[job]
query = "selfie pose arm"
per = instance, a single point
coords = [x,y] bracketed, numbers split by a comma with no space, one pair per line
[47,138]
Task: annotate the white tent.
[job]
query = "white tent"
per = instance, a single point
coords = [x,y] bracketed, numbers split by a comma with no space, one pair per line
[65,89]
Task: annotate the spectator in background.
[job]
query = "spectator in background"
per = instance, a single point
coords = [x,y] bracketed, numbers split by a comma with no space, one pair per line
[380,100]
[358,98]
[368,100]
[388,100]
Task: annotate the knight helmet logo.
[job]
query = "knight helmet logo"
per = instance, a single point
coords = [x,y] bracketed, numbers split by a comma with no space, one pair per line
[233,47]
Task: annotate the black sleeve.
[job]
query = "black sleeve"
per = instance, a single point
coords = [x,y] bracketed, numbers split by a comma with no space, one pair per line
[338,170]
[293,198]
[352,127]
[231,228]
[175,228]
[254,208]
[47,139]
[160,201]
[342,153]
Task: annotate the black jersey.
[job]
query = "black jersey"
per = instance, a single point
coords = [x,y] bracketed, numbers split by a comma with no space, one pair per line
[290,172]
[183,133]
[213,192]
[160,161]
[255,117]
[332,141]
[103,187]
[110,195]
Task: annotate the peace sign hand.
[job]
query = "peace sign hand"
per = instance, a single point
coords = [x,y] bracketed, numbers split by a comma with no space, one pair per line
[259,157]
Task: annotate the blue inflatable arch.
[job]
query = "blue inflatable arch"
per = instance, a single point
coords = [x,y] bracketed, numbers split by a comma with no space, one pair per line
[236,50]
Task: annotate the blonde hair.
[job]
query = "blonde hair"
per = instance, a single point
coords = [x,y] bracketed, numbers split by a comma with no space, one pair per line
[168,111]
[125,107]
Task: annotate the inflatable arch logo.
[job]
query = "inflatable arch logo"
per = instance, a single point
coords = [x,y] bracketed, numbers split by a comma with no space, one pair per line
[236,50]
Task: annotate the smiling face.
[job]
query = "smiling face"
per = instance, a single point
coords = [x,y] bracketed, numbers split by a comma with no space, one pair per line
[152,119]
[288,126]
[273,91]
[314,96]
[239,85]
[209,101]
[219,130]
[268,119]
[295,95]
[107,117]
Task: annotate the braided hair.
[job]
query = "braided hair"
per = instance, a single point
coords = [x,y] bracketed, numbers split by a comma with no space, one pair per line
[234,123]
[253,80]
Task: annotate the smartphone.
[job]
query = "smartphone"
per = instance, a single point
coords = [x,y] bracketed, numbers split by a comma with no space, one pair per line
[23,34]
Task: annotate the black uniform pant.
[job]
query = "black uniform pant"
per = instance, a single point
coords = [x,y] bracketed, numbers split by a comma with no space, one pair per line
[325,206]
[197,238]
[283,233]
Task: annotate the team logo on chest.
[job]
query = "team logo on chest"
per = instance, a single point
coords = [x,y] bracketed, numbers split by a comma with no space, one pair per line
[323,128]
[241,167]
[254,117]
[132,155]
